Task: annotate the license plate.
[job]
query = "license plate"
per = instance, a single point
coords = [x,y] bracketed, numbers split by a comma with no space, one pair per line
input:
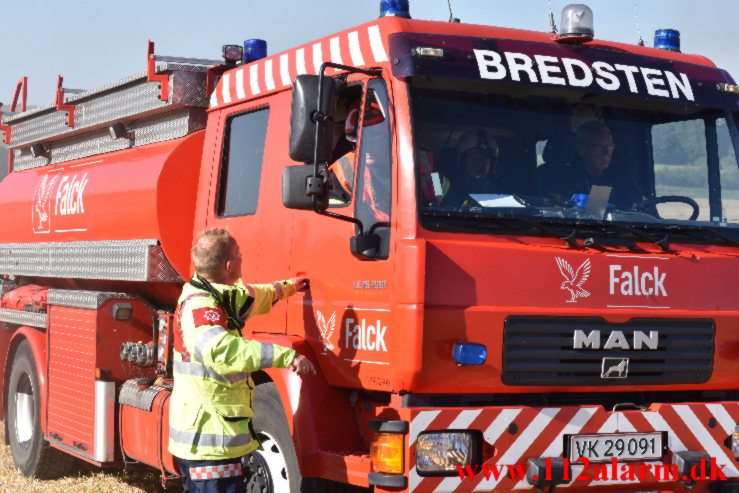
[622,446]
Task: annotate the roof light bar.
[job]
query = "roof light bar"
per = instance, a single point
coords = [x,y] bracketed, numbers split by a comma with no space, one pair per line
[395,8]
[254,49]
[667,39]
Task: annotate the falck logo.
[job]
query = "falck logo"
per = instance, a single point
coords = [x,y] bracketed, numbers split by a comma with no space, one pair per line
[574,279]
[327,328]
[212,315]
[614,368]
[41,211]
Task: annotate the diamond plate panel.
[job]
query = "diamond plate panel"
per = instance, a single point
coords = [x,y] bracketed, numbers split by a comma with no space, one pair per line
[125,260]
[130,395]
[188,89]
[171,125]
[122,100]
[159,267]
[29,319]
[89,300]
[139,77]
[6,286]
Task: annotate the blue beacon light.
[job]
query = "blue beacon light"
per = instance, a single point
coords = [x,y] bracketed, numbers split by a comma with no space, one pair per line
[395,8]
[254,49]
[468,353]
[667,39]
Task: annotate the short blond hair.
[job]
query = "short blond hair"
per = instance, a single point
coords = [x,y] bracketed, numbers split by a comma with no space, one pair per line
[211,251]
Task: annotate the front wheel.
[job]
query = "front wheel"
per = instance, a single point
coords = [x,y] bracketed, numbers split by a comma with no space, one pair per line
[32,455]
[275,468]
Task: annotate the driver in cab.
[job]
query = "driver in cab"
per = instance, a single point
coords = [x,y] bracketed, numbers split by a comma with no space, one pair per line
[591,166]
[477,157]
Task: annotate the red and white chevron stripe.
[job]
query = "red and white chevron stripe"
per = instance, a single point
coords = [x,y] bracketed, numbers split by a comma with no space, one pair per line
[539,432]
[364,46]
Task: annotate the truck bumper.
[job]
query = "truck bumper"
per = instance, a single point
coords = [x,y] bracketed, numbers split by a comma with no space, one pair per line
[513,435]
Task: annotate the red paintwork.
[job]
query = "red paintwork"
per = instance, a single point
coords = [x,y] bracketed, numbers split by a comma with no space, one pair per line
[60,106]
[390,25]
[151,73]
[83,342]
[129,195]
[37,340]
[441,288]
[306,400]
[21,89]
[30,295]
[487,292]
[144,435]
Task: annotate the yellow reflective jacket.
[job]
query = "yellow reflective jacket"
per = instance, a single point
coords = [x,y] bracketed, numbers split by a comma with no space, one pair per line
[210,404]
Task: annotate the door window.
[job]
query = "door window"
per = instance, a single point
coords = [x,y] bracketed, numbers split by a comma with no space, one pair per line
[241,165]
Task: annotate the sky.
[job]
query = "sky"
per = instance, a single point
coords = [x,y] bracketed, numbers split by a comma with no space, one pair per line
[93,42]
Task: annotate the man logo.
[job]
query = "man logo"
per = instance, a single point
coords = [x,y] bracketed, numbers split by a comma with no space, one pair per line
[327,329]
[574,279]
[615,368]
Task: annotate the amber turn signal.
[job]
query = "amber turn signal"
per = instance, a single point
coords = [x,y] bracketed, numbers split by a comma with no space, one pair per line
[386,452]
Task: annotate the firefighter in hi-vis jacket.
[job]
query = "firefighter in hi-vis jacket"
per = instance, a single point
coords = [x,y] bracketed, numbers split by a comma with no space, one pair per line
[210,407]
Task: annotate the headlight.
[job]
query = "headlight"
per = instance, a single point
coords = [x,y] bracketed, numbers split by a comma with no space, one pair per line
[439,453]
[735,442]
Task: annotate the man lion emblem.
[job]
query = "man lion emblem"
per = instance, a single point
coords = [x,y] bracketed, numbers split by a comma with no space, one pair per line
[574,279]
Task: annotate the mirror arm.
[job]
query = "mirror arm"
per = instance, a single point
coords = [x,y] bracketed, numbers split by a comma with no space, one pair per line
[315,187]
[316,184]
[349,219]
[378,225]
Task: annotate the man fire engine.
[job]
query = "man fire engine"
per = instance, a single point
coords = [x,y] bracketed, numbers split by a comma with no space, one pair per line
[551,338]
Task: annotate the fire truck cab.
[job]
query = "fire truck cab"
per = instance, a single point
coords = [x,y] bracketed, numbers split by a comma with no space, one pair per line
[520,248]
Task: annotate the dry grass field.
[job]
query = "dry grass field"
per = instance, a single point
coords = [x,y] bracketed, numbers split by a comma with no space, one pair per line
[85,480]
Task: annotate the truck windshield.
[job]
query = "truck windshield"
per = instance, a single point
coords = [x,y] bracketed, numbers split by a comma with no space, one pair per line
[501,158]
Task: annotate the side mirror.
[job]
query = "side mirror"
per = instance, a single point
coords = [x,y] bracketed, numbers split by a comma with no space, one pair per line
[303,118]
[298,180]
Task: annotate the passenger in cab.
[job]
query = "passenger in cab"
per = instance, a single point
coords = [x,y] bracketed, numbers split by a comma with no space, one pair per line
[590,166]
[341,171]
[474,173]
[374,183]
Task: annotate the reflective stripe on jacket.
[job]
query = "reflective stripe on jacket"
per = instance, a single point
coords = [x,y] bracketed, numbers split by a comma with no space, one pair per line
[212,387]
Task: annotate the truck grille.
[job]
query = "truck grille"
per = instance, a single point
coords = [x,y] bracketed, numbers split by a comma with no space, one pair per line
[542,351]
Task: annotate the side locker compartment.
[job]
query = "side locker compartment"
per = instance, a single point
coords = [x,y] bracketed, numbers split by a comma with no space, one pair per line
[86,328]
[144,409]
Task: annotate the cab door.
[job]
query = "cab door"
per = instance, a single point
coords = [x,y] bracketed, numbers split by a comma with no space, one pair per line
[347,313]
[246,199]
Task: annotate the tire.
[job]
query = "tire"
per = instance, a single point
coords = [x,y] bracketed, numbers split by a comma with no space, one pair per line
[274,469]
[32,454]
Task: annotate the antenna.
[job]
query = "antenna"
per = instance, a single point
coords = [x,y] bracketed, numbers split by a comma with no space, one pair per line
[638,28]
[451,16]
[551,19]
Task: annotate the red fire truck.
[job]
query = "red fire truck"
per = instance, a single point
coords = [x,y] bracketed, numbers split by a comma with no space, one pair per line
[477,327]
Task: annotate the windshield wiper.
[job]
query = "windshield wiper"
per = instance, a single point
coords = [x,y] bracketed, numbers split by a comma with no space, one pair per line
[569,239]
[702,229]
[663,244]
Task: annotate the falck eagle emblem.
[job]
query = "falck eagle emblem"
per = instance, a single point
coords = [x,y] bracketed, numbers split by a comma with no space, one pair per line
[327,328]
[41,210]
[574,279]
